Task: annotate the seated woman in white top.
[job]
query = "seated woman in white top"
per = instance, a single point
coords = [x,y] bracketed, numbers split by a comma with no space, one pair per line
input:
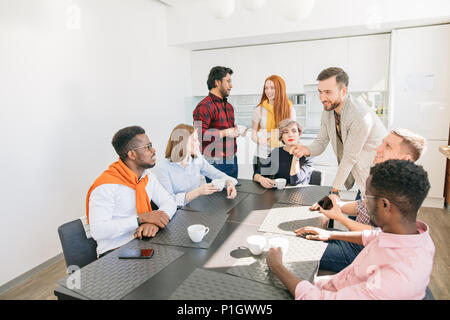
[181,171]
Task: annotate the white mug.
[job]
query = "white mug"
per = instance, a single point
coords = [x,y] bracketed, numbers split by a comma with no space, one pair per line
[280,183]
[241,129]
[219,184]
[197,232]
[256,244]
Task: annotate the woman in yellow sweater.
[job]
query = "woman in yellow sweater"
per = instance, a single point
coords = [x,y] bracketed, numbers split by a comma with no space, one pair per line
[273,108]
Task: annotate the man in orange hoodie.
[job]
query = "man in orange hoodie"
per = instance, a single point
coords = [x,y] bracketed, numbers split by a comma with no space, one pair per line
[118,204]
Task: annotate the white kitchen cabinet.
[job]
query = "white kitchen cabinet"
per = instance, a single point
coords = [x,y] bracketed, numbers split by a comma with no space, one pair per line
[420,96]
[434,163]
[365,59]
[368,63]
[321,54]
[251,66]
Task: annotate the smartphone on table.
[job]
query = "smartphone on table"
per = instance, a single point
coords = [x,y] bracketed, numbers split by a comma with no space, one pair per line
[136,254]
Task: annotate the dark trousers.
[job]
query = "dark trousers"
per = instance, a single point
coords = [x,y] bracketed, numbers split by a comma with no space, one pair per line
[339,254]
[230,169]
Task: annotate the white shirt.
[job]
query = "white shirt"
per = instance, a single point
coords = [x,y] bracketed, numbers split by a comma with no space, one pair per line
[260,116]
[113,214]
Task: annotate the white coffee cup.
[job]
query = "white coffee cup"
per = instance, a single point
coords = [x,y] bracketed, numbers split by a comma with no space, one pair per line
[280,183]
[219,184]
[241,129]
[197,232]
[256,244]
[283,243]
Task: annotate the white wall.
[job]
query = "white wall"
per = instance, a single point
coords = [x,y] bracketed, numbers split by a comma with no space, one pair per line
[190,23]
[67,84]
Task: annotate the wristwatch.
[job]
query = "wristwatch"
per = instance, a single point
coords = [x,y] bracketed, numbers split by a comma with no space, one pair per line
[334,192]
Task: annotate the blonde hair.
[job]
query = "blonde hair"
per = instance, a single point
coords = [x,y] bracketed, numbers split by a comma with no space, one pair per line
[178,140]
[414,144]
[286,123]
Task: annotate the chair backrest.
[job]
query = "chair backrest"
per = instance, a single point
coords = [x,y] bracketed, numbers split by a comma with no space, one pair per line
[316,178]
[78,250]
[428,295]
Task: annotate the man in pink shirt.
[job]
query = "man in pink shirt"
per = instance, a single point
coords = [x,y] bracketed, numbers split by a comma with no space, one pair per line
[397,260]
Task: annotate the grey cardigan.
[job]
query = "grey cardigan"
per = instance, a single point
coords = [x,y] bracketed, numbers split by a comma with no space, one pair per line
[361,130]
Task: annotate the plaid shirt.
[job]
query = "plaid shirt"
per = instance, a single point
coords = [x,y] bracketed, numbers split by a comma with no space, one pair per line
[361,213]
[215,114]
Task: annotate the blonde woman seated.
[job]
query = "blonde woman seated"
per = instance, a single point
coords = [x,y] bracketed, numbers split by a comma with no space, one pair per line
[184,165]
[281,164]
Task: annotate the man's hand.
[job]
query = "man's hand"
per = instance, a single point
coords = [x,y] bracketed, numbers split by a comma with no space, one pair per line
[146,230]
[231,190]
[232,132]
[315,207]
[157,217]
[274,258]
[313,233]
[300,151]
[335,212]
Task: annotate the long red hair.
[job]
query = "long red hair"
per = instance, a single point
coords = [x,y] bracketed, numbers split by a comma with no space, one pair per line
[281,105]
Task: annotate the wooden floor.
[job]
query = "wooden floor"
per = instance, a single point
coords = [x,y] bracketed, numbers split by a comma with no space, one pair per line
[41,285]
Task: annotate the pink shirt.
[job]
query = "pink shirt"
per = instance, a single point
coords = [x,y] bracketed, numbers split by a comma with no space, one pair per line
[391,266]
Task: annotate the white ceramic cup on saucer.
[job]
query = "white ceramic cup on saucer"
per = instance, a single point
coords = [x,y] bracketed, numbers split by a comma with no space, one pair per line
[219,183]
[283,243]
[256,244]
[197,232]
[280,183]
[241,129]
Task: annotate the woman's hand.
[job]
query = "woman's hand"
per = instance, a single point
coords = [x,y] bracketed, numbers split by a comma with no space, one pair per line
[231,190]
[206,188]
[266,182]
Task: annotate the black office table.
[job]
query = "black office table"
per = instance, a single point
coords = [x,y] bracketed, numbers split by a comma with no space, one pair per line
[243,220]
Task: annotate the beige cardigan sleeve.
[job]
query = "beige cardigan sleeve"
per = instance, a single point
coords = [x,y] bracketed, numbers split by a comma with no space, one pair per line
[319,145]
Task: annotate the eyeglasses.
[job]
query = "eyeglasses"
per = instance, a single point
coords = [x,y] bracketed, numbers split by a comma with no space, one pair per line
[366,196]
[148,146]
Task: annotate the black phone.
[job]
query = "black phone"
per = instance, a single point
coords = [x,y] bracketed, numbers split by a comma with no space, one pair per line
[136,254]
[325,203]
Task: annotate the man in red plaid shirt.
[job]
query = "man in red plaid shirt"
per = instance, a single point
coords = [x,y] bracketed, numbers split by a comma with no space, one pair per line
[215,116]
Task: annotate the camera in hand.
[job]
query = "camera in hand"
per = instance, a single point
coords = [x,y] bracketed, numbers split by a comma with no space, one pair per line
[325,203]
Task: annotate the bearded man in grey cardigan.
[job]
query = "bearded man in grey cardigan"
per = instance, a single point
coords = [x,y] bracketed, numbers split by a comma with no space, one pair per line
[353,129]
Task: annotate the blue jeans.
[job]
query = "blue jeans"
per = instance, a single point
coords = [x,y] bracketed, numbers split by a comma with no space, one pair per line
[230,169]
[339,254]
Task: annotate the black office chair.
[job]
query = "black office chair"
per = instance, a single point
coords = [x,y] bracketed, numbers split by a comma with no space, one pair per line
[428,295]
[78,250]
[316,178]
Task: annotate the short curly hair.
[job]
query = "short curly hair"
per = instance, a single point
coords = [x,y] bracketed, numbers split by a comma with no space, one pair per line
[123,140]
[401,182]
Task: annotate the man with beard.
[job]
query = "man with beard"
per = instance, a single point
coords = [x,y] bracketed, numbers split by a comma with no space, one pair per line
[353,129]
[216,117]
[397,259]
[400,144]
[118,204]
